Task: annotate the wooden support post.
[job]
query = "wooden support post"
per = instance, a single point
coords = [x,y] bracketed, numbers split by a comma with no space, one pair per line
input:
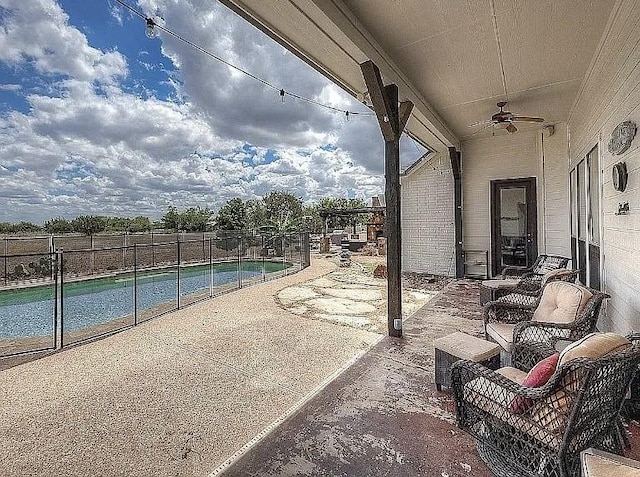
[456,168]
[392,120]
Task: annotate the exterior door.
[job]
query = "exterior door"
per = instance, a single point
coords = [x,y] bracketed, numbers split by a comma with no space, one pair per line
[514,223]
[585,219]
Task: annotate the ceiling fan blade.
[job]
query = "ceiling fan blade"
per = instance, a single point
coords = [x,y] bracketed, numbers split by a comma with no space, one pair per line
[527,119]
[484,122]
[511,128]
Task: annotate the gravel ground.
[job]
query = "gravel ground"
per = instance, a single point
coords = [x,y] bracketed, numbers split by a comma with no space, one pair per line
[174,396]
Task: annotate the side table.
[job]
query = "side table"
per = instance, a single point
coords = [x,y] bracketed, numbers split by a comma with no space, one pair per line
[488,288]
[457,346]
[598,463]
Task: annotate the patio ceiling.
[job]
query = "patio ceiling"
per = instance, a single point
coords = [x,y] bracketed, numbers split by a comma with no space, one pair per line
[453,58]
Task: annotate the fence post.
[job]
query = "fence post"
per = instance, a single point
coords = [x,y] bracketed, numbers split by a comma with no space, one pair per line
[6,252]
[211,277]
[178,281]
[61,258]
[135,284]
[124,250]
[51,251]
[262,252]
[54,269]
[239,262]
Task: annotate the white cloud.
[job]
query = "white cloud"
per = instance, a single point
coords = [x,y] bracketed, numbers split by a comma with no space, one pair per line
[10,87]
[91,147]
[38,31]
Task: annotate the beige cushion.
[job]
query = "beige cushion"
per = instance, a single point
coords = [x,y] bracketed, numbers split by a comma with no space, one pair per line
[465,346]
[514,374]
[561,302]
[501,333]
[594,345]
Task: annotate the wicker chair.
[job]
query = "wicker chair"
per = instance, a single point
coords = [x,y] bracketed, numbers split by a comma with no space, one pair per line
[529,289]
[577,408]
[501,317]
[543,264]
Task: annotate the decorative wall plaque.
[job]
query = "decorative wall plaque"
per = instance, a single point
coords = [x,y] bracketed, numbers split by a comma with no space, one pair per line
[621,137]
[619,176]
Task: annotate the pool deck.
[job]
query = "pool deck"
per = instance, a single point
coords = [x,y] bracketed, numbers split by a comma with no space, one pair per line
[173,396]
[258,382]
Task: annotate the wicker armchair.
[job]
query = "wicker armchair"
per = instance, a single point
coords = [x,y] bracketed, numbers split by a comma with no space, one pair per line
[529,289]
[580,308]
[542,265]
[577,408]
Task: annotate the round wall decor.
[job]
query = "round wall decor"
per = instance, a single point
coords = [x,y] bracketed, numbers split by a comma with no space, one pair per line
[621,137]
[619,176]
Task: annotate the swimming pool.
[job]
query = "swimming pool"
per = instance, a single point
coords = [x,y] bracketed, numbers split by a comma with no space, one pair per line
[29,312]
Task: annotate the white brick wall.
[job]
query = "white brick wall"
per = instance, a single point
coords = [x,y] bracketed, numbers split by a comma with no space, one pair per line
[427,218]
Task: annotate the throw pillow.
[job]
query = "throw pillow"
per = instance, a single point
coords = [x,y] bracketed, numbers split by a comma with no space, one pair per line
[538,376]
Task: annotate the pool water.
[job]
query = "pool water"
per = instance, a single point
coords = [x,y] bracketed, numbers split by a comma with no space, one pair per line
[29,312]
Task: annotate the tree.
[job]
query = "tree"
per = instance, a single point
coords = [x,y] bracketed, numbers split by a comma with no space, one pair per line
[278,229]
[89,224]
[196,219]
[140,224]
[172,219]
[232,215]
[277,203]
[58,226]
[256,214]
[20,227]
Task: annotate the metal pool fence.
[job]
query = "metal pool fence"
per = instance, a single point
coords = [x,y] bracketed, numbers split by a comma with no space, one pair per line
[52,300]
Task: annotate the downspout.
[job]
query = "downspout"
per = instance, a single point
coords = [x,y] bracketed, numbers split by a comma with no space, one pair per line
[456,169]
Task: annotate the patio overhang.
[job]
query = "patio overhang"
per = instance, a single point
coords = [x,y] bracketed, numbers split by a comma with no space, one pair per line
[454,60]
[330,38]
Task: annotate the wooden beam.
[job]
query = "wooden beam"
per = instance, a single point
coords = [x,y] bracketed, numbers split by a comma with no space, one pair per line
[404,113]
[381,105]
[393,232]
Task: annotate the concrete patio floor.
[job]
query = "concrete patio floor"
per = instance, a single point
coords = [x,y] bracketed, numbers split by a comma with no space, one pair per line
[287,378]
[181,394]
[174,396]
[383,416]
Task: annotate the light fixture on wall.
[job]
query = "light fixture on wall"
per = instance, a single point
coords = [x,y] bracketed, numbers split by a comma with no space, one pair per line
[619,176]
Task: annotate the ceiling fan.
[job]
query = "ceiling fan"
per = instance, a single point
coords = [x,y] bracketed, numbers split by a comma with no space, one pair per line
[505,119]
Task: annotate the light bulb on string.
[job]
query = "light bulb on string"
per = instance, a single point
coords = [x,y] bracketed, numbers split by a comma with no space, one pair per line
[150,30]
[282,93]
[346,113]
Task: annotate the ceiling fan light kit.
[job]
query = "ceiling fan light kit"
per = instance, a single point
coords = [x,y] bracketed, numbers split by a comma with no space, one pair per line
[505,119]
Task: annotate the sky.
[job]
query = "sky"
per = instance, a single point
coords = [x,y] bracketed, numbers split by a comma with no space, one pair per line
[98,119]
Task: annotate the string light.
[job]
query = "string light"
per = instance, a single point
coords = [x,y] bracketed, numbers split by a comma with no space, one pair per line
[151,31]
